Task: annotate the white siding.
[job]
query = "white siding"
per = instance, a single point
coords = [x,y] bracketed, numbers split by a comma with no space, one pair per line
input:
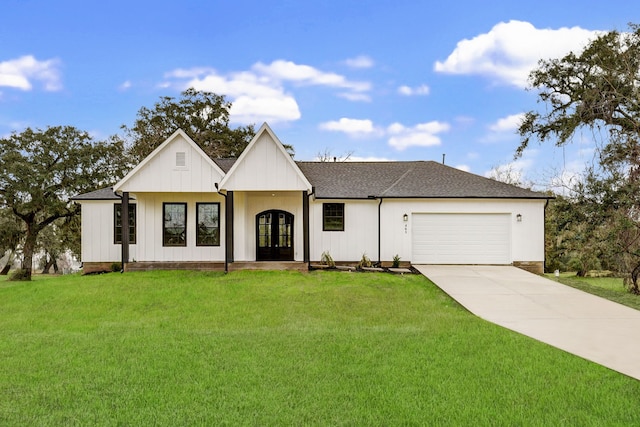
[248,205]
[360,235]
[161,174]
[97,233]
[361,227]
[150,222]
[265,167]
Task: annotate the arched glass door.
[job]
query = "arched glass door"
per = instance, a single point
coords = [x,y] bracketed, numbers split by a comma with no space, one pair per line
[274,236]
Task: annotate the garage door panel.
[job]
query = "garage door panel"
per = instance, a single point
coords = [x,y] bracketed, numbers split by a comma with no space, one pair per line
[461,238]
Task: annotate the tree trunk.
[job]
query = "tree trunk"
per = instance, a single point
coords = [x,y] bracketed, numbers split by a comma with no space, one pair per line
[47,265]
[7,266]
[55,265]
[27,251]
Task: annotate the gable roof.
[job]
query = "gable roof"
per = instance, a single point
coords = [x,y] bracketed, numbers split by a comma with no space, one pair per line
[416,179]
[265,165]
[179,134]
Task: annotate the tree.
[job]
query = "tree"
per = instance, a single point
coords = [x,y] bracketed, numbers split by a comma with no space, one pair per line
[10,235]
[598,90]
[40,170]
[204,116]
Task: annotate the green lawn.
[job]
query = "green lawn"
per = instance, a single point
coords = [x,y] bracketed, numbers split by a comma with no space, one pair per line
[281,348]
[611,288]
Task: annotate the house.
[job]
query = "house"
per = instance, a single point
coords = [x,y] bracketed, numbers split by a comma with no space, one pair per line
[186,210]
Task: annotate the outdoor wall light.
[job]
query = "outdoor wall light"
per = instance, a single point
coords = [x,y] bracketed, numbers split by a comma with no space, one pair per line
[519,217]
[405,217]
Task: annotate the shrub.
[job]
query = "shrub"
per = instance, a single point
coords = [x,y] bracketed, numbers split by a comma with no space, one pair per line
[116,267]
[396,261]
[19,275]
[365,261]
[327,259]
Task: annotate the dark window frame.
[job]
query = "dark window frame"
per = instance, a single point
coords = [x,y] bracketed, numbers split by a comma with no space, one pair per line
[164,225]
[199,236]
[117,235]
[333,212]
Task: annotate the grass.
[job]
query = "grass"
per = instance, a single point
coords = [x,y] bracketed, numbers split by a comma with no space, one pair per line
[610,288]
[281,348]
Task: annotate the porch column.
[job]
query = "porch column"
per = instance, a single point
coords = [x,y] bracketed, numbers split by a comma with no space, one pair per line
[228,238]
[305,225]
[124,221]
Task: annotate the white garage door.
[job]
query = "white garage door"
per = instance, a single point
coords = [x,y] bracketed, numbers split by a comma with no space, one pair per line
[461,238]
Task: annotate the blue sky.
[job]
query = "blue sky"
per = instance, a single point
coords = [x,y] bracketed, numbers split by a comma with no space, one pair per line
[389,80]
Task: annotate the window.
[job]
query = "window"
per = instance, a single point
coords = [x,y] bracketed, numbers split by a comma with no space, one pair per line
[333,216]
[208,224]
[174,224]
[181,159]
[117,224]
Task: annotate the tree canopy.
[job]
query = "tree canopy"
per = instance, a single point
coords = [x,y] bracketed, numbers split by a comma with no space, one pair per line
[204,116]
[40,170]
[597,90]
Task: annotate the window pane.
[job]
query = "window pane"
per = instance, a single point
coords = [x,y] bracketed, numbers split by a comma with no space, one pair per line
[175,224]
[333,216]
[117,223]
[208,224]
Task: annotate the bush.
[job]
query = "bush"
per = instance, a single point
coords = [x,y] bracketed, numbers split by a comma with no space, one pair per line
[327,259]
[19,275]
[116,267]
[365,261]
[396,261]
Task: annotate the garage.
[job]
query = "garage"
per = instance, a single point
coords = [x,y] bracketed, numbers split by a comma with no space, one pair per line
[461,238]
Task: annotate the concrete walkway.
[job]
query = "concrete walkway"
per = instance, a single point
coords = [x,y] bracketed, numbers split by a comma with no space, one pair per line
[580,323]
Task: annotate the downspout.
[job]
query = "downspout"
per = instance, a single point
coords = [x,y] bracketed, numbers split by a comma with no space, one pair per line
[544,243]
[379,235]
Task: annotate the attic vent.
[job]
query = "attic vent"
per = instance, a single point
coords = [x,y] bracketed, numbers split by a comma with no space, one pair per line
[181,159]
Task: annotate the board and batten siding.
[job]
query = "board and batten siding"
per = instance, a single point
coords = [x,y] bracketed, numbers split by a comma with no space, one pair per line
[527,236]
[360,235]
[97,232]
[150,223]
[164,174]
[249,204]
[265,168]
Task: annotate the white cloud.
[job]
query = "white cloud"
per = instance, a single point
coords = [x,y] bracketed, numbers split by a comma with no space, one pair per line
[361,61]
[410,91]
[281,70]
[352,127]
[420,135]
[260,93]
[507,124]
[125,85]
[368,159]
[510,50]
[400,136]
[22,72]
[254,98]
[464,168]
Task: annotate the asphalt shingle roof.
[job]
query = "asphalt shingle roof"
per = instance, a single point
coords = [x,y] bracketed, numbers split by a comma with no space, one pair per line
[418,179]
[102,194]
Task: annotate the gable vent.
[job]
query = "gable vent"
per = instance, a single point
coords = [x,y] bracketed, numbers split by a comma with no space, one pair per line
[181,159]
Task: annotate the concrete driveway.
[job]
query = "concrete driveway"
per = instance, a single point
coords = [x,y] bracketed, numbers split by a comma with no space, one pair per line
[580,323]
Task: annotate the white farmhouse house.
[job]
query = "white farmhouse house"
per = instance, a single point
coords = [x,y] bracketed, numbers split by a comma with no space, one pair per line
[186,210]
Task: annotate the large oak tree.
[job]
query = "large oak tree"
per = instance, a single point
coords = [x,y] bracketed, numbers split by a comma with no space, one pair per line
[40,170]
[597,91]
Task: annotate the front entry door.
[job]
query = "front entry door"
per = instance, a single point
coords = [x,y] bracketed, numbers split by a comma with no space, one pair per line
[274,236]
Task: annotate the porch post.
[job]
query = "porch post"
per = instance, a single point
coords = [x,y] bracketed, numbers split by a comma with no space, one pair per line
[305,226]
[228,208]
[124,221]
